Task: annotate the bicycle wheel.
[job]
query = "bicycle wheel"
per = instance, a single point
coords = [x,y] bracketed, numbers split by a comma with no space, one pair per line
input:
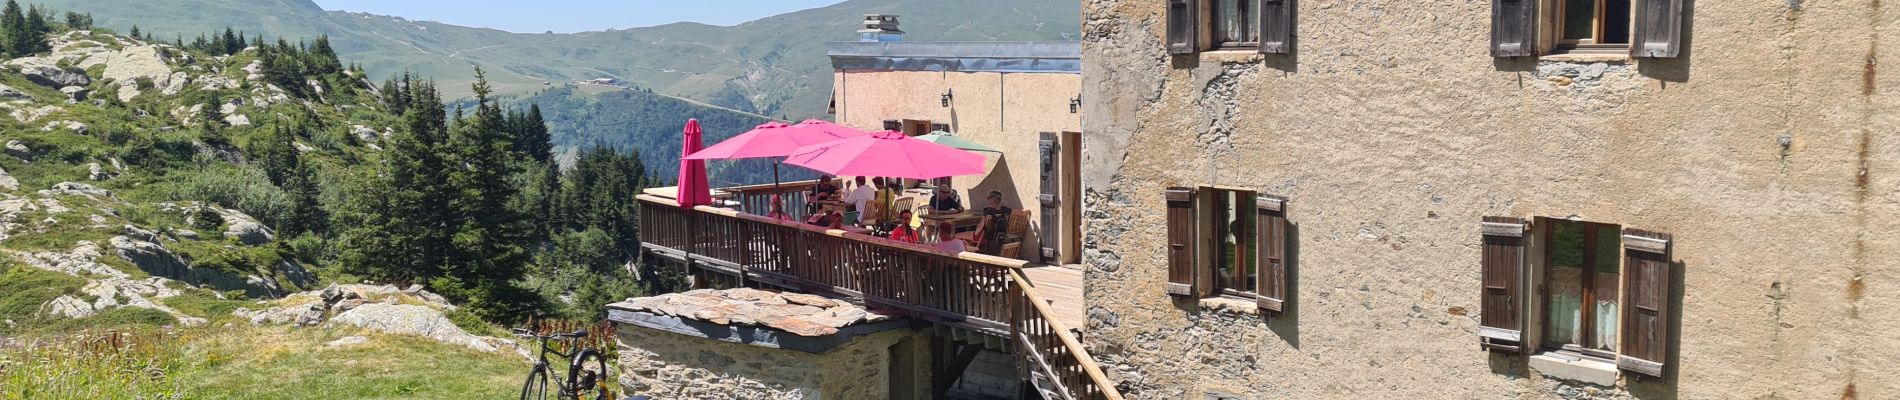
[536,387]
[591,376]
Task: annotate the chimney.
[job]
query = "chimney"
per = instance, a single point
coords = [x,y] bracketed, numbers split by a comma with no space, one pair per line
[880,28]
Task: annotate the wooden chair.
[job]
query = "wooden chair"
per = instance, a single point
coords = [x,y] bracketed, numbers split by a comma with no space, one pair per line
[1012,241]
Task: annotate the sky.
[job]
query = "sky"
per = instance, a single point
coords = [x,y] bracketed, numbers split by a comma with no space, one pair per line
[567,16]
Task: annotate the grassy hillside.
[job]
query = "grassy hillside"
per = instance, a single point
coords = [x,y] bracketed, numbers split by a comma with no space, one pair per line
[774,66]
[581,116]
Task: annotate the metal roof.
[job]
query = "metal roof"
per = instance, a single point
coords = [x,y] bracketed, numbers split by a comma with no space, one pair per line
[1045,57]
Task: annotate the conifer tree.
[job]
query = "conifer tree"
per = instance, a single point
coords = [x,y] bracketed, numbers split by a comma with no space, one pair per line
[491,245]
[306,213]
[18,38]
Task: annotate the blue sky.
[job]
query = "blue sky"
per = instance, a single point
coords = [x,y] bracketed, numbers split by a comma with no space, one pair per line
[566,16]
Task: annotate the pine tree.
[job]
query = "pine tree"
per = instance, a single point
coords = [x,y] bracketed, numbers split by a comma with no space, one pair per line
[230,42]
[306,213]
[212,119]
[37,26]
[276,155]
[135,31]
[532,136]
[323,58]
[491,245]
[78,22]
[13,22]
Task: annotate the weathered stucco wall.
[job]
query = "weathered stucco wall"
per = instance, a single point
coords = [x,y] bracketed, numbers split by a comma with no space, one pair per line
[1006,111]
[1392,131]
[668,365]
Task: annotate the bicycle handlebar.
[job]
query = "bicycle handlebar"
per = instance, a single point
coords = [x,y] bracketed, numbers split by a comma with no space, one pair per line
[526,333]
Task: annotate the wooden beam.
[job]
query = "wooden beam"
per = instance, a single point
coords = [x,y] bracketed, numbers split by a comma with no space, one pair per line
[943,379]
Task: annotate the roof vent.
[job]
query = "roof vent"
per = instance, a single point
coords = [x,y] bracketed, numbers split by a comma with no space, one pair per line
[880,28]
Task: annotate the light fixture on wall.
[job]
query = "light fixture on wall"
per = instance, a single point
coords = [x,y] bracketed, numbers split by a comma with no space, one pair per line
[946,97]
[1075,104]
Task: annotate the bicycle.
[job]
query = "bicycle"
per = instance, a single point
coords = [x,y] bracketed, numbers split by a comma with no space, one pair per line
[579,380]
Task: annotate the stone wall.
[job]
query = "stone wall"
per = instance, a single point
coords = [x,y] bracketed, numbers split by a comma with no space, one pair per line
[1766,150]
[674,366]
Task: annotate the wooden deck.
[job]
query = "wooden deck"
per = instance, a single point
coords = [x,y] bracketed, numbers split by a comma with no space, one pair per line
[1062,288]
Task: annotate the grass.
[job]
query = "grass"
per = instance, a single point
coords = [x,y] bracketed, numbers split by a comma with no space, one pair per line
[27,288]
[272,362]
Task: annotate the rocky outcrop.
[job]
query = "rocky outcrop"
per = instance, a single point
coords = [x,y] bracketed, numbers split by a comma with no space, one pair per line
[46,72]
[156,260]
[129,64]
[77,189]
[74,93]
[108,287]
[74,126]
[406,319]
[8,92]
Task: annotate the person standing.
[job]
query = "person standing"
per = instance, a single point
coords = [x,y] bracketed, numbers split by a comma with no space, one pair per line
[859,196]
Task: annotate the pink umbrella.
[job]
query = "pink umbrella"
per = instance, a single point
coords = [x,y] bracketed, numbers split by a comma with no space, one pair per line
[774,139]
[693,189]
[887,153]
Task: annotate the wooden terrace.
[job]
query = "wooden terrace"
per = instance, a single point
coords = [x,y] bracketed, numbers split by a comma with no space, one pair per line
[1034,312]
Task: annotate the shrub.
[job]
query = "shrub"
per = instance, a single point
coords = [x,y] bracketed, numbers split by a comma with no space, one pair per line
[207,219]
[243,188]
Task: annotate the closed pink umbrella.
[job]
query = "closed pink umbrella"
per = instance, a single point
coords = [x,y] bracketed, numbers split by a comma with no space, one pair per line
[693,189]
[887,153]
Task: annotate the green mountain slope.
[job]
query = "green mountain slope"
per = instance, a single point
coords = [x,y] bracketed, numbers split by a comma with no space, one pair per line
[774,66]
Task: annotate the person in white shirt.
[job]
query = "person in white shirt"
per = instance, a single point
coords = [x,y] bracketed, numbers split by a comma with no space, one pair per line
[859,196]
[947,238]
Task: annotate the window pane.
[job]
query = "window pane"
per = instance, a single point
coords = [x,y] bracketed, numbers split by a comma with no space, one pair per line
[1579,19]
[1225,246]
[1234,227]
[1616,22]
[1250,21]
[1566,284]
[1609,242]
[1243,226]
[1227,17]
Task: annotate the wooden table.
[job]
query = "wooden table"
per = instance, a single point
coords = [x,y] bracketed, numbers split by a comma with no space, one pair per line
[963,221]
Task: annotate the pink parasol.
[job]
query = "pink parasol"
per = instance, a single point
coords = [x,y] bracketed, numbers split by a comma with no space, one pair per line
[693,189]
[774,139]
[887,153]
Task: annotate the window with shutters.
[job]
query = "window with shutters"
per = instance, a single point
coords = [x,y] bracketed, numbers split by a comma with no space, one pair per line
[1592,28]
[1264,26]
[1227,242]
[1602,293]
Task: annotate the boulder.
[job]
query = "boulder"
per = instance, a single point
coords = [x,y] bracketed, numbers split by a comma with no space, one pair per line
[185,234]
[249,233]
[176,83]
[76,189]
[135,233]
[19,150]
[75,93]
[237,120]
[74,126]
[273,315]
[8,182]
[406,319]
[129,64]
[312,315]
[67,306]
[364,133]
[8,92]
[46,72]
[95,172]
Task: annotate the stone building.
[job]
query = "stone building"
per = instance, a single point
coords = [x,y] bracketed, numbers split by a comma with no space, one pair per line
[1504,199]
[1019,98]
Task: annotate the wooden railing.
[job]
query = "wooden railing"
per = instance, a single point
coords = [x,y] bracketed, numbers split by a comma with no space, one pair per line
[757,199]
[979,292]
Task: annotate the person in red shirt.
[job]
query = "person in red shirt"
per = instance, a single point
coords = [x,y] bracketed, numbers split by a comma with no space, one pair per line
[903,232]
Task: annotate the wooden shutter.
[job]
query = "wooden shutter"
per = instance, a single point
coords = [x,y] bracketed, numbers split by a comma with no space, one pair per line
[1645,302]
[1270,233]
[1658,29]
[1050,200]
[1182,23]
[1181,241]
[1513,28]
[1276,26]
[1501,325]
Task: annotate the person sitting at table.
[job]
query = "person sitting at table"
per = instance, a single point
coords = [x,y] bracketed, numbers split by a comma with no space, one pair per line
[830,218]
[903,232]
[994,224]
[824,190]
[777,210]
[946,201]
[881,201]
[947,238]
[860,196]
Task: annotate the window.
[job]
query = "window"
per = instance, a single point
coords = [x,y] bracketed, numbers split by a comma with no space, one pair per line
[1227,242]
[1233,241]
[1640,28]
[1605,290]
[1265,26]
[1581,277]
[1235,23]
[1594,26]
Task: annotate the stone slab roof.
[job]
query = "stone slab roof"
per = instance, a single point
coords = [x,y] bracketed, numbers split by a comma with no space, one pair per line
[794,313]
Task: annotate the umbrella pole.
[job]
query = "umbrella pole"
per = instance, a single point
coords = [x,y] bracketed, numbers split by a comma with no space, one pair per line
[774,174]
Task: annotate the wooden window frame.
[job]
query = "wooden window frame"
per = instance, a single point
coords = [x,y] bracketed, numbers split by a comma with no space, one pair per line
[1586,324]
[1212,247]
[1597,29]
[1210,24]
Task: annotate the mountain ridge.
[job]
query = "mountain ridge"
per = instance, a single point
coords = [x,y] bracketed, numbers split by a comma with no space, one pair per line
[773,65]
